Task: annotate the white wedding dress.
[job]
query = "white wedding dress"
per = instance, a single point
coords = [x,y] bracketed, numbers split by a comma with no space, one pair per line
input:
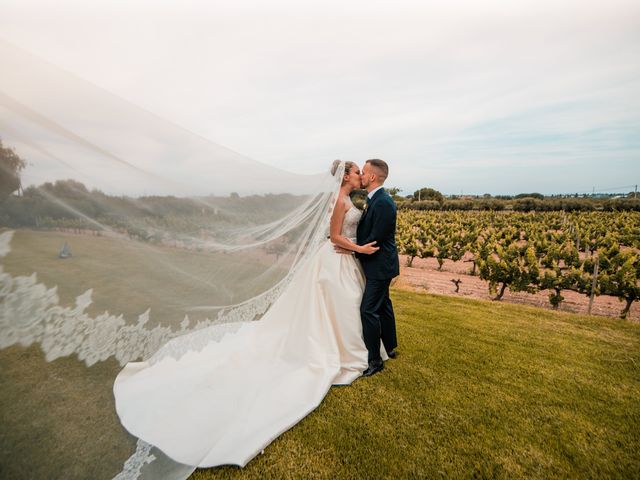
[224,403]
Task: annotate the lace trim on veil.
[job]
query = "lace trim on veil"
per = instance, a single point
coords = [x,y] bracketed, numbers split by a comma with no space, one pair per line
[30,313]
[133,466]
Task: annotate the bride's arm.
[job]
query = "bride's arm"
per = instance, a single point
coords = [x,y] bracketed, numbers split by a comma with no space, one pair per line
[335,231]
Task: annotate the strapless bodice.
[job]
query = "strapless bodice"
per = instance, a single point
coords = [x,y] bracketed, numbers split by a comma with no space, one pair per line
[351,219]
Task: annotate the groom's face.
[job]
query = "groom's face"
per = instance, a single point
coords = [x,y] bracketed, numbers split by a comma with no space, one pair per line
[365,177]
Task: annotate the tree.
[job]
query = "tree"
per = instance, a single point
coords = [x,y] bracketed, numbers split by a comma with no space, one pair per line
[526,204]
[428,194]
[10,166]
[512,266]
[536,195]
[621,276]
[277,248]
[66,189]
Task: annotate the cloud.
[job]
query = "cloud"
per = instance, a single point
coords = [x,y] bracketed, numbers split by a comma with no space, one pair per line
[492,90]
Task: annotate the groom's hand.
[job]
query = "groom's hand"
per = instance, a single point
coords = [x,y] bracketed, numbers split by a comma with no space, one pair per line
[344,251]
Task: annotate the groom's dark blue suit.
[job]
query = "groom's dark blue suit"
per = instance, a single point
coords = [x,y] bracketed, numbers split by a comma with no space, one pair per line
[378,223]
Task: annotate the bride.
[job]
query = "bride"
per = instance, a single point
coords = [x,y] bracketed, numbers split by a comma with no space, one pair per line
[178,244]
[225,402]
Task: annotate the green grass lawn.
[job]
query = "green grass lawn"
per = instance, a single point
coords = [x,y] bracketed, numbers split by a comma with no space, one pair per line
[479,390]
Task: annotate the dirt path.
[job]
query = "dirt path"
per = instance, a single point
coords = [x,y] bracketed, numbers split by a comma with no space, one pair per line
[423,275]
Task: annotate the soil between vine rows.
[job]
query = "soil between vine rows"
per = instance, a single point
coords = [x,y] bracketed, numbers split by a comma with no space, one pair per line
[424,276]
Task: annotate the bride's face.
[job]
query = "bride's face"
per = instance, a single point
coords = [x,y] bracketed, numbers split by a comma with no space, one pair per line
[353,178]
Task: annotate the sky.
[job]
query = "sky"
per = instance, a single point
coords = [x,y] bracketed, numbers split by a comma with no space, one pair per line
[463,96]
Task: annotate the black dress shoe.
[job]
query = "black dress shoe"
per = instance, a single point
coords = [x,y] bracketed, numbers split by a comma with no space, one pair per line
[373,368]
[392,354]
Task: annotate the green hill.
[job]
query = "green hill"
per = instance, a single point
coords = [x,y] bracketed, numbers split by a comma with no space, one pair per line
[479,390]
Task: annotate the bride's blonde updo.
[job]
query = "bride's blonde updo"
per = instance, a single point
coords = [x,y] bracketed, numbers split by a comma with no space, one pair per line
[347,167]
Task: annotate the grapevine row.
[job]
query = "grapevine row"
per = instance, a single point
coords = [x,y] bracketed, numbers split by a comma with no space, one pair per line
[535,251]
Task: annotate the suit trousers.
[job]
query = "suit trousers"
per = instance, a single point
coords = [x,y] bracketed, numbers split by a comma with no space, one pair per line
[378,321]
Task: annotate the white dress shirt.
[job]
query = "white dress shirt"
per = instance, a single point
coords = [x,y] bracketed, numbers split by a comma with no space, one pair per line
[372,192]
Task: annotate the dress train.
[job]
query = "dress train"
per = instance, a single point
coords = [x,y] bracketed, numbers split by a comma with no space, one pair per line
[225,403]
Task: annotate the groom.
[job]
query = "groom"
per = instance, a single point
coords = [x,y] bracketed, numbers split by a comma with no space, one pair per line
[378,223]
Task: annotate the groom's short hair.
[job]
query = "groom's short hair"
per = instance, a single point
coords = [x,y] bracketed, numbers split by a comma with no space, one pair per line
[381,167]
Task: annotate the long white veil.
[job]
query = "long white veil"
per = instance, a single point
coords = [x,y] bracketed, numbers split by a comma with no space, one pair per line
[128,232]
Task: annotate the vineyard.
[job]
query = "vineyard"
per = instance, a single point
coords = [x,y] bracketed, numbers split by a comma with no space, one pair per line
[591,253]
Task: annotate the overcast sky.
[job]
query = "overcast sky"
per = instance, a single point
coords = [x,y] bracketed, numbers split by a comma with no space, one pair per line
[465,97]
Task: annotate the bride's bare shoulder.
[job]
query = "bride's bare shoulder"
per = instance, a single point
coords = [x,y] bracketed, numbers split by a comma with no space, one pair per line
[341,203]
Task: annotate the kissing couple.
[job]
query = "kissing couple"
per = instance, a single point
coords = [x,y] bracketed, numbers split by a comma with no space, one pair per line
[371,236]
[331,324]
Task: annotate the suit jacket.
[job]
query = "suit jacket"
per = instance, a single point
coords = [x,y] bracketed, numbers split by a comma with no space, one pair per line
[378,223]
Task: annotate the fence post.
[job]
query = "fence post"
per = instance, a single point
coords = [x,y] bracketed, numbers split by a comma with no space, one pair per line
[593,283]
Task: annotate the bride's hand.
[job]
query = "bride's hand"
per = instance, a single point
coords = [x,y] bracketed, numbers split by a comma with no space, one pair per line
[341,250]
[369,248]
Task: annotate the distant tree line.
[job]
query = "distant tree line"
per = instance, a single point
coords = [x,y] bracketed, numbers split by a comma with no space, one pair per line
[431,199]
[51,203]
[69,204]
